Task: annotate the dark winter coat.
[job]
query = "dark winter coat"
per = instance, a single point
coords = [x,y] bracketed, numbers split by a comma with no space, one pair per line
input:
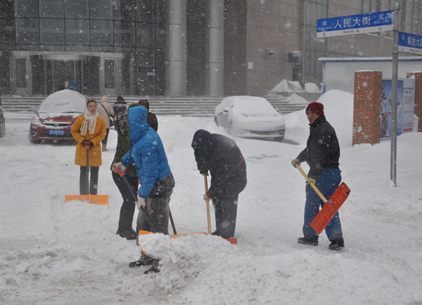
[123,143]
[221,156]
[322,149]
[148,155]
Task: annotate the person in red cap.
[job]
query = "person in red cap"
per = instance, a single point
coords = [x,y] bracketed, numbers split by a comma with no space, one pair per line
[322,154]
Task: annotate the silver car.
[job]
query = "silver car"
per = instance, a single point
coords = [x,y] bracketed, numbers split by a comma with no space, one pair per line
[250,117]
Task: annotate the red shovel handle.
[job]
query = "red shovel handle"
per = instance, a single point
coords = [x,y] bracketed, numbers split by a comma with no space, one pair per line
[118,171]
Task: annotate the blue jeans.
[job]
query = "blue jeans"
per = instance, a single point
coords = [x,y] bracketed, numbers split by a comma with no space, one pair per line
[326,182]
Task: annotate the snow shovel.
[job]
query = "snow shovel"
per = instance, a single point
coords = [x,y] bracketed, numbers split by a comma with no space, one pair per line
[232,240]
[92,199]
[331,205]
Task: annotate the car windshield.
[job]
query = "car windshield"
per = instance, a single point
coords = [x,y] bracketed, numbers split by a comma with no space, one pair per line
[64,101]
[254,108]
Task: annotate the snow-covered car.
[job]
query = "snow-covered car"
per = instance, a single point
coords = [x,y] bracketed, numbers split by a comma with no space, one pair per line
[2,123]
[250,117]
[56,115]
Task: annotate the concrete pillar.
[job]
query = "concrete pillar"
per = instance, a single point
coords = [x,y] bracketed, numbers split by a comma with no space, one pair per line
[367,107]
[177,48]
[216,48]
[418,96]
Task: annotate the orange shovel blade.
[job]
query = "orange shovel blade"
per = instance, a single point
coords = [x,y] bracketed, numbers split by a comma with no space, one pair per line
[330,208]
[233,241]
[92,199]
[142,232]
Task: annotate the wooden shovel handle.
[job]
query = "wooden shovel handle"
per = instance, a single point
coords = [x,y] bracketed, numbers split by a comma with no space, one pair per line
[311,184]
[208,204]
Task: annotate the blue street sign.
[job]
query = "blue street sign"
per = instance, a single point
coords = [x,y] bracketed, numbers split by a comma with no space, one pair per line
[355,24]
[410,43]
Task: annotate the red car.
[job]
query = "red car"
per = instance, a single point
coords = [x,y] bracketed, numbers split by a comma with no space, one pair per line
[56,115]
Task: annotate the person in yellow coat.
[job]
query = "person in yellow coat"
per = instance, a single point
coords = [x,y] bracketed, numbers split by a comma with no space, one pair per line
[89,130]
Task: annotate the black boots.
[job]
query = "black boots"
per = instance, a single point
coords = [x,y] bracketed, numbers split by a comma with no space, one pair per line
[313,241]
[336,244]
[128,234]
[147,260]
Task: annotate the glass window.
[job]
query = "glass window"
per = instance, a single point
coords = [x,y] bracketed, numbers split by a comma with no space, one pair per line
[26,8]
[124,11]
[101,9]
[20,72]
[27,31]
[109,74]
[7,31]
[51,8]
[144,35]
[122,33]
[77,31]
[100,32]
[76,8]
[52,31]
[145,11]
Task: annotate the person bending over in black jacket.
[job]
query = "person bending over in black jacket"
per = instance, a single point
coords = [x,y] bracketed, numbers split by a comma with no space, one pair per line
[223,159]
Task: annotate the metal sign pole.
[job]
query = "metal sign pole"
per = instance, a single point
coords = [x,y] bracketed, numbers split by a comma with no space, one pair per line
[395,73]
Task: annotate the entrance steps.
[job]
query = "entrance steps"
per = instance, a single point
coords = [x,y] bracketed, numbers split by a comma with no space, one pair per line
[184,106]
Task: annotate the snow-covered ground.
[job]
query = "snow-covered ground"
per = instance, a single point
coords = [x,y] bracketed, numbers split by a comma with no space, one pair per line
[54,252]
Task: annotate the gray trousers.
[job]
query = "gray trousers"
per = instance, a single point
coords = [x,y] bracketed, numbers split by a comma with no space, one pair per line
[158,212]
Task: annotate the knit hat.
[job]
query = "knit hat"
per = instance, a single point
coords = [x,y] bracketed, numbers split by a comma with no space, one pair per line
[317,107]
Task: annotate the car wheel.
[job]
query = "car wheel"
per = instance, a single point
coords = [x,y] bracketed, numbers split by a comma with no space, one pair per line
[215,121]
[35,141]
[2,129]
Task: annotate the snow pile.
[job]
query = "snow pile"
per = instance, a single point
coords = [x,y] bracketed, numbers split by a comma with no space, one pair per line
[338,109]
[68,253]
[294,86]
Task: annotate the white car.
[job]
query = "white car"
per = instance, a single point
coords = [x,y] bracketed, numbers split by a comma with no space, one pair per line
[250,117]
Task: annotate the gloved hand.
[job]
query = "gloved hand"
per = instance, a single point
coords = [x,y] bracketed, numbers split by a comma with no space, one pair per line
[87,144]
[207,196]
[119,168]
[141,202]
[295,162]
[203,172]
[310,180]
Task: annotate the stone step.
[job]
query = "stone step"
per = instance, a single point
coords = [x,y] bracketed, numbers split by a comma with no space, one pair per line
[187,106]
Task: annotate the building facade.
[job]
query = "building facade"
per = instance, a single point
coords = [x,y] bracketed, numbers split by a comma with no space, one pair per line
[178,47]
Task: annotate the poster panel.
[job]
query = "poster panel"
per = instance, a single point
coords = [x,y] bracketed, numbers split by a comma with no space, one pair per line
[385,130]
[408,104]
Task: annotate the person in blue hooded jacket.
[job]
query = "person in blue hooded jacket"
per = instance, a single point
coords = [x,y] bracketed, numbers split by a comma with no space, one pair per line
[149,157]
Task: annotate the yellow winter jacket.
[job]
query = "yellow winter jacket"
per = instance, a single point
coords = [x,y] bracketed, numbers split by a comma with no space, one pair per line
[96,138]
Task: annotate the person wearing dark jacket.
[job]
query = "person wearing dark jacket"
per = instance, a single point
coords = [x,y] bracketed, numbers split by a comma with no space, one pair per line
[151,118]
[127,210]
[322,153]
[120,106]
[223,159]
